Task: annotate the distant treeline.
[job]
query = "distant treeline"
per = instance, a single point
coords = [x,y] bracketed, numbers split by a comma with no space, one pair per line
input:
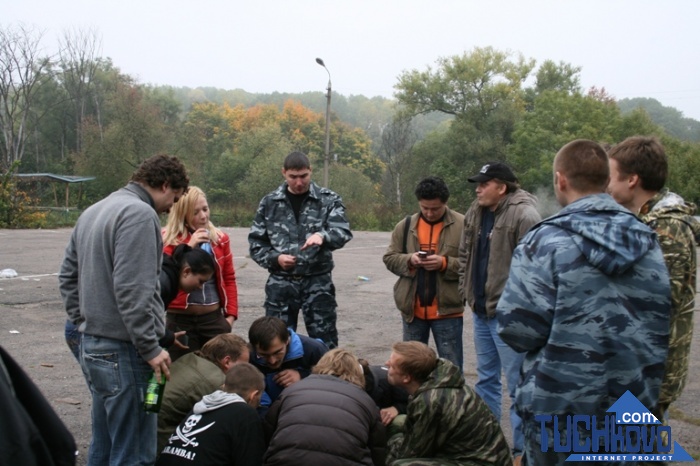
[78,114]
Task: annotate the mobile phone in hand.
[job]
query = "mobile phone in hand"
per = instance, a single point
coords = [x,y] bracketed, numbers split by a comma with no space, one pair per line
[422,254]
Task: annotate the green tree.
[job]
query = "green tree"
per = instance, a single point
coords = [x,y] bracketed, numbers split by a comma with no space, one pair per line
[78,64]
[560,76]
[51,131]
[482,89]
[557,118]
[669,118]
[360,197]
[112,150]
[469,86]
[354,149]
[448,166]
[683,167]
[253,169]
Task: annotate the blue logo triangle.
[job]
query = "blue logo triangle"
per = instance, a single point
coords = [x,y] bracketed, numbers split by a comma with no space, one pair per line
[679,454]
[629,410]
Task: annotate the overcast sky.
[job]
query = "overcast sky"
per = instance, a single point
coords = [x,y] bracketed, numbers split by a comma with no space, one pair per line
[633,48]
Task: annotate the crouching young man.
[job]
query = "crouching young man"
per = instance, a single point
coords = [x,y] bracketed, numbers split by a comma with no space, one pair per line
[446,423]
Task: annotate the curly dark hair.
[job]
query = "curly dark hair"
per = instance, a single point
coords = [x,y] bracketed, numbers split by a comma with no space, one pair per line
[432,187]
[157,170]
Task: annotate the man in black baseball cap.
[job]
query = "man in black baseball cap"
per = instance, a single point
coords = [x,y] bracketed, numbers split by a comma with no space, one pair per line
[501,214]
[491,170]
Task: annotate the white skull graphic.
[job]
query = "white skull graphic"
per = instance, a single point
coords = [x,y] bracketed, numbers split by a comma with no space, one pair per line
[191,422]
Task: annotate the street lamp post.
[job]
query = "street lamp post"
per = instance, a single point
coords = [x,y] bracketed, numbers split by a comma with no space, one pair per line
[326,156]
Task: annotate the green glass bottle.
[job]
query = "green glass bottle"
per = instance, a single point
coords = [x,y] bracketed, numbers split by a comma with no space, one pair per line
[154,393]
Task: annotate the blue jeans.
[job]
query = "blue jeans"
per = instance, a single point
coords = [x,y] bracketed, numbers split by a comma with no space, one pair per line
[447,334]
[492,354]
[122,432]
[73,339]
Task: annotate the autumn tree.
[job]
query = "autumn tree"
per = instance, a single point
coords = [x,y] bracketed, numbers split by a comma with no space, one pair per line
[303,127]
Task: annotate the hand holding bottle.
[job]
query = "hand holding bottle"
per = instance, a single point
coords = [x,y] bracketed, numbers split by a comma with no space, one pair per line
[154,393]
[201,238]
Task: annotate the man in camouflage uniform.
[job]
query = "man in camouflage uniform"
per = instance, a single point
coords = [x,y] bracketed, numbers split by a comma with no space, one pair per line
[588,299]
[446,423]
[295,230]
[638,171]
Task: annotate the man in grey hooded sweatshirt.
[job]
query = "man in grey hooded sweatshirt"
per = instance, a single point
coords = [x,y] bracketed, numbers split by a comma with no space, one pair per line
[223,428]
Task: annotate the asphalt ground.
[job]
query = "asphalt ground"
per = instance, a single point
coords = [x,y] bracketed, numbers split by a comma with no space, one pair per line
[32,320]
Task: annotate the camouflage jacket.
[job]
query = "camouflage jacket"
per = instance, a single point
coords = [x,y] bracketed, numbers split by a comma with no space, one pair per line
[446,419]
[276,231]
[588,298]
[678,232]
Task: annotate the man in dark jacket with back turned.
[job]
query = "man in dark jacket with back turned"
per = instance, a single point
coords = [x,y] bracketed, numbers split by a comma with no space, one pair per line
[326,419]
[223,428]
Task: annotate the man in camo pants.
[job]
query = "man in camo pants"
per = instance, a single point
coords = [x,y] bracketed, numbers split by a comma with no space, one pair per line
[295,231]
[638,170]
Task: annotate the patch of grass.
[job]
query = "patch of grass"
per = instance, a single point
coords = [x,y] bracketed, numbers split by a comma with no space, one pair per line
[58,218]
[679,415]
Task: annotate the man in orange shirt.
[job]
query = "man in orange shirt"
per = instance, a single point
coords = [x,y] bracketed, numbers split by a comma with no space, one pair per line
[424,253]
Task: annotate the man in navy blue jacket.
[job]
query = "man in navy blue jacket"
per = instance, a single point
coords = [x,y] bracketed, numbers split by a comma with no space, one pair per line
[283,356]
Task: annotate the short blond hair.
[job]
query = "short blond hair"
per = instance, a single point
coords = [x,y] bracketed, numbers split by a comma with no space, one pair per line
[222,345]
[342,364]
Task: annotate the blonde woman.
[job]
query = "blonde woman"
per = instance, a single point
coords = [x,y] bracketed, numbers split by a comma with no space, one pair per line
[212,310]
[326,418]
